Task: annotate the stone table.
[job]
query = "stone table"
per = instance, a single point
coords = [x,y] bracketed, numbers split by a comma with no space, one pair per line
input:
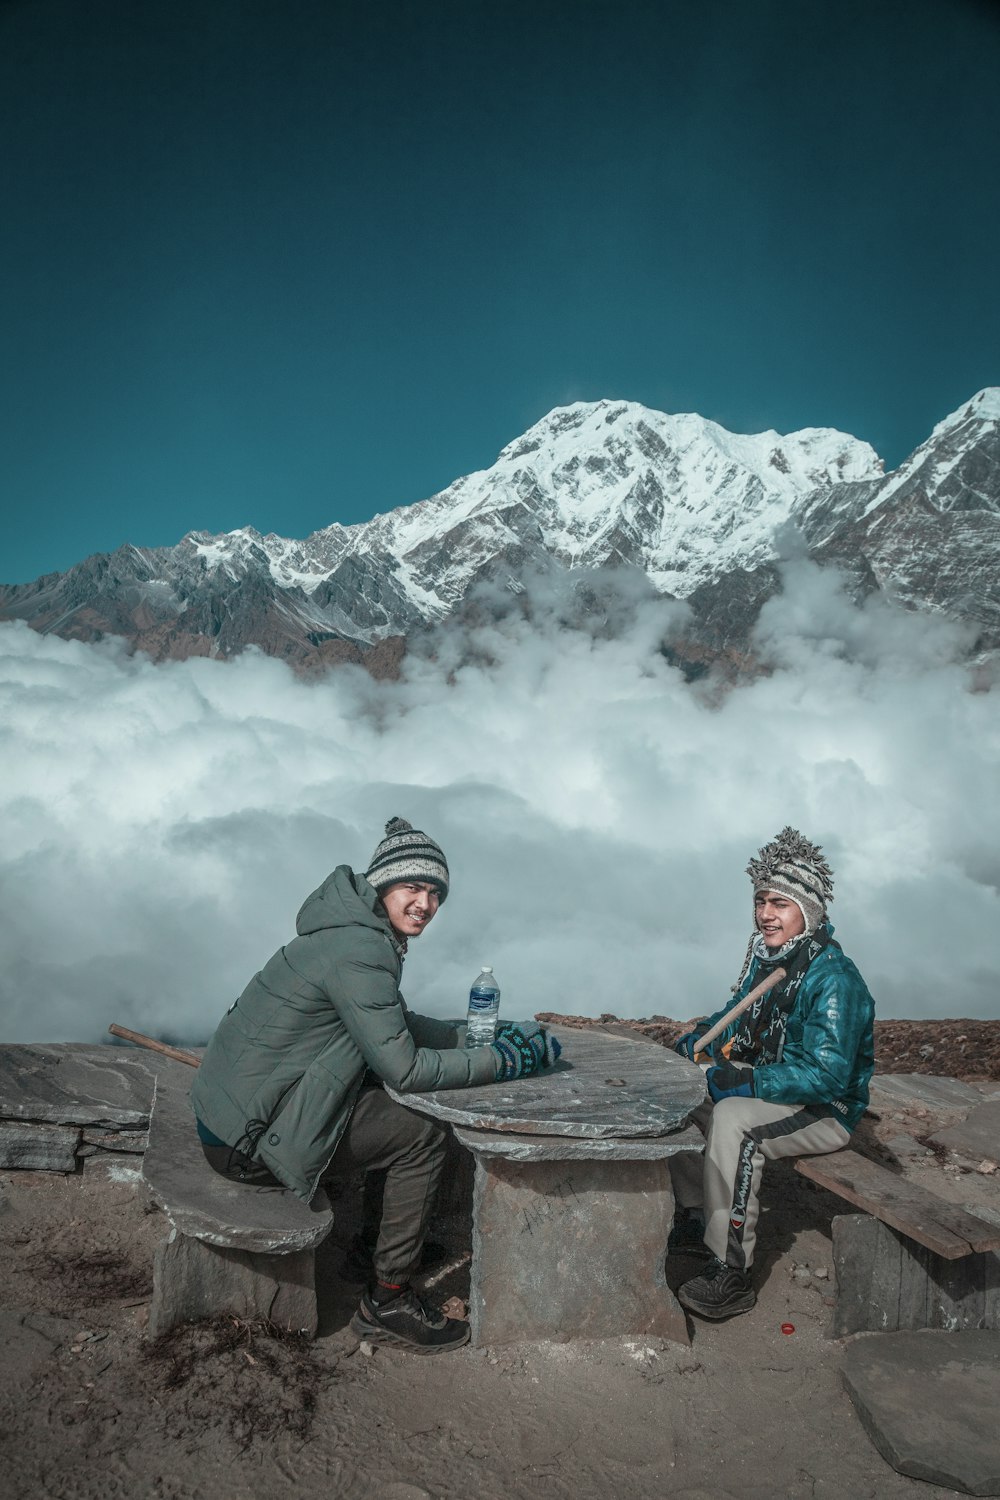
[572,1203]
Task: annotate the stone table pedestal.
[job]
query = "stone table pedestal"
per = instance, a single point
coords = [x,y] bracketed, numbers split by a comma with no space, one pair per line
[569,1237]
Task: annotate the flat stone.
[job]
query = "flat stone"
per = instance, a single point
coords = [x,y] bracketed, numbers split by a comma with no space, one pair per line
[192,1279]
[977,1136]
[68,1084]
[133,1142]
[602,1086]
[29,1147]
[929,1402]
[576,1148]
[905,1148]
[199,1202]
[901,1089]
[571,1249]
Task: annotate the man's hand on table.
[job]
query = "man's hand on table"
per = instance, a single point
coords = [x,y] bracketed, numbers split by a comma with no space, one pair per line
[523,1048]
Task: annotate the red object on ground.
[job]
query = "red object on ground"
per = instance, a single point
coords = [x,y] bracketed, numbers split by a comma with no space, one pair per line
[788,1327]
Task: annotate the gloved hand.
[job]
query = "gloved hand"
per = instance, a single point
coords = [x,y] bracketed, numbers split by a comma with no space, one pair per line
[523,1048]
[685,1044]
[727,1081]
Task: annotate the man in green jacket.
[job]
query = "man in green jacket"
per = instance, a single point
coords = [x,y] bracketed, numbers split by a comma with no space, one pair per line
[290,1089]
[788,1077]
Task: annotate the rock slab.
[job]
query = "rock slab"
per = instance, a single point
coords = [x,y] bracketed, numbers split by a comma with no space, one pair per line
[75,1085]
[977,1136]
[29,1147]
[929,1402]
[602,1086]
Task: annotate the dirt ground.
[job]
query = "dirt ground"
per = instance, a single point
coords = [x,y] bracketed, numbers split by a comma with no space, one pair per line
[91,1409]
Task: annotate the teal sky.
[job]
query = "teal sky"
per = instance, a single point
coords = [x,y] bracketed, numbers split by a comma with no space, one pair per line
[285,262]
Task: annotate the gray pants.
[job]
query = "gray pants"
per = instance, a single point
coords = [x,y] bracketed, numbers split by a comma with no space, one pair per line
[724,1184]
[407,1151]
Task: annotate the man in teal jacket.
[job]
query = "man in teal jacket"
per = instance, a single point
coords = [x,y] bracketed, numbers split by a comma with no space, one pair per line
[290,1088]
[788,1077]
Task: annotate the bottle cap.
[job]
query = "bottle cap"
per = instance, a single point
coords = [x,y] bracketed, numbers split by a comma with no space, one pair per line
[487,968]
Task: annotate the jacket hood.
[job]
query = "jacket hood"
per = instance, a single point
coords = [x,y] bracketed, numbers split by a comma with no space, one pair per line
[343,900]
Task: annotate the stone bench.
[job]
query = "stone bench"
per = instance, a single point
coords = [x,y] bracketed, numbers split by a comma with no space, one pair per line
[912,1260]
[231,1248]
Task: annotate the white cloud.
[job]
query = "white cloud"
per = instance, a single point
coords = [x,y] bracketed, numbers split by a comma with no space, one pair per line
[162,824]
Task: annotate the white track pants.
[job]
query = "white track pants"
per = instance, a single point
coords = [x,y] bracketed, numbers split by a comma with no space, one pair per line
[724,1184]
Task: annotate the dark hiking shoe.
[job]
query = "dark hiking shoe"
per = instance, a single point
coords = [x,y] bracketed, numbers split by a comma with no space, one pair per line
[409,1323]
[721,1291]
[358,1263]
[687,1237]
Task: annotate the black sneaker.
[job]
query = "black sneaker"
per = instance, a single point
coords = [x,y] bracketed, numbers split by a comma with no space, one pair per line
[358,1263]
[409,1323]
[721,1291]
[687,1236]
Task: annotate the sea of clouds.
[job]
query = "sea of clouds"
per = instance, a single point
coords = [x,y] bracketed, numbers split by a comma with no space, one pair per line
[162,824]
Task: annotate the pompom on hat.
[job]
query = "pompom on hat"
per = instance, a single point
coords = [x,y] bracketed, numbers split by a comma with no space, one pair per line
[407,854]
[795,868]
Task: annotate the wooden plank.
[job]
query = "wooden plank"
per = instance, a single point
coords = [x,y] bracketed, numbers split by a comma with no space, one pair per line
[942,1227]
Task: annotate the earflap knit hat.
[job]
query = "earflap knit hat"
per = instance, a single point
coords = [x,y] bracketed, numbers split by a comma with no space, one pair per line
[795,868]
[407,854]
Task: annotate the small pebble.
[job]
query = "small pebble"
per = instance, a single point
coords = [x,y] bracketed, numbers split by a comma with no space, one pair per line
[821,1273]
[366,1349]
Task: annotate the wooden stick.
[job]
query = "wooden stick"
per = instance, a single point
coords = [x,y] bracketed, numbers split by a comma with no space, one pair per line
[737,1010]
[155,1046]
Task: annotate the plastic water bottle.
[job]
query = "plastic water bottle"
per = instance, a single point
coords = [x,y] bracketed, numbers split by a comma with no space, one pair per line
[484,1004]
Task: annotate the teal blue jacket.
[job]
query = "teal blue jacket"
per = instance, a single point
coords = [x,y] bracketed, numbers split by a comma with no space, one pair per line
[281,1075]
[829,1050]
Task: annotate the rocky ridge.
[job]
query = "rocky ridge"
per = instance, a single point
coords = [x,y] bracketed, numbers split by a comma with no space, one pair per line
[697,511]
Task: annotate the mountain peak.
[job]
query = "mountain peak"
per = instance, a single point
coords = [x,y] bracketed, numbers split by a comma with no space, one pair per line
[983,407]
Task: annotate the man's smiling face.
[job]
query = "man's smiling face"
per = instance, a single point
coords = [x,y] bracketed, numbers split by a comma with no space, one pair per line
[778,918]
[410,905]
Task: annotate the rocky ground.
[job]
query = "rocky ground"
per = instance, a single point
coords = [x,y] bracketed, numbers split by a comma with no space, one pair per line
[90,1408]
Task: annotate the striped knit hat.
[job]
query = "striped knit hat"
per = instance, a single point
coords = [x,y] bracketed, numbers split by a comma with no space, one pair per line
[795,868]
[407,854]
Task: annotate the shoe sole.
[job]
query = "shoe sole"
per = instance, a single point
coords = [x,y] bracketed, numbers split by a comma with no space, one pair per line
[718,1313]
[373,1334]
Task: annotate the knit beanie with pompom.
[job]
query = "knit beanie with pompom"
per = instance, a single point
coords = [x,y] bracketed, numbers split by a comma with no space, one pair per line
[407,854]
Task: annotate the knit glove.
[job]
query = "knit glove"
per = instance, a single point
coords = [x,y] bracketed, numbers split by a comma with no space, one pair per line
[685,1044]
[523,1048]
[726,1081]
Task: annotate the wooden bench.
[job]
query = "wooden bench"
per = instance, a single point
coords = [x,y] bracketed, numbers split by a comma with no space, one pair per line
[911,1260]
[231,1248]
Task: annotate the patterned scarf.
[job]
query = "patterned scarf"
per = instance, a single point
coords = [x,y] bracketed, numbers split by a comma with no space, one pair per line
[759,1037]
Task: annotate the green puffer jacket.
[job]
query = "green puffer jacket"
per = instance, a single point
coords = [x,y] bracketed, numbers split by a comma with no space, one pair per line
[829,1053]
[285,1066]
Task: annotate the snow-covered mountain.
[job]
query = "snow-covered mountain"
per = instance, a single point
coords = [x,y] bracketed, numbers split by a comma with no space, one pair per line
[695,507]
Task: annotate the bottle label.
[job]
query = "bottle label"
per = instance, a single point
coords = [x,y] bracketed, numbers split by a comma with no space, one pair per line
[482,1002]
